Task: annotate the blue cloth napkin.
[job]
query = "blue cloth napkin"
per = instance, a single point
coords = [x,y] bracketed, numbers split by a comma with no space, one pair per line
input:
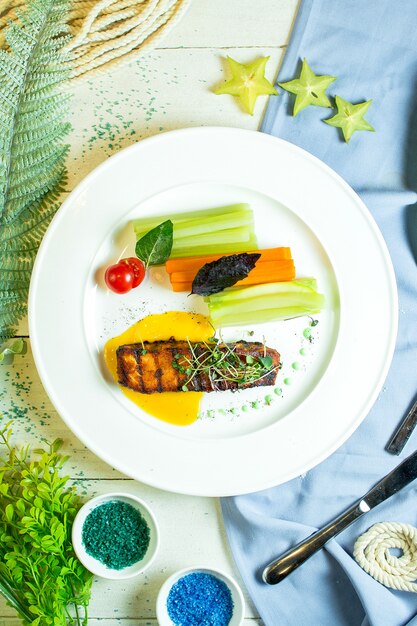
[371,47]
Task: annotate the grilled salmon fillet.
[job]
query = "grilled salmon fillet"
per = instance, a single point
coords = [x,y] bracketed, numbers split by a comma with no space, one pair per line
[154,367]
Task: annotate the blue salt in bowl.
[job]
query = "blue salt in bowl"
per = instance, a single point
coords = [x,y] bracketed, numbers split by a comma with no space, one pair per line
[200,590]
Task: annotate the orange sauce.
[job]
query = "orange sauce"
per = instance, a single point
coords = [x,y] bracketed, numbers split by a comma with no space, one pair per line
[179,408]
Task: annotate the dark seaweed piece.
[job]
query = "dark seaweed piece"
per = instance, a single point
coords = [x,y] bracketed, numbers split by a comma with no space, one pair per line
[225,272]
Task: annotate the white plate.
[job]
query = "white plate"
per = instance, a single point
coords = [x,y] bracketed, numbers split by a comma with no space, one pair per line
[298,201]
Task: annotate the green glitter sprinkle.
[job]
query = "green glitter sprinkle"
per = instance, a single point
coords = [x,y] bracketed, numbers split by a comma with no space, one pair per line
[287,381]
[295,365]
[278,391]
[116,534]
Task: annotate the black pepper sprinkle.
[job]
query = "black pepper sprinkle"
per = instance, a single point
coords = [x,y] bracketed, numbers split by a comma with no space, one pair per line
[116,534]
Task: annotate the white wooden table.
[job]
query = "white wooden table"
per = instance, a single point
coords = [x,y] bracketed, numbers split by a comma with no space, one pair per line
[168,88]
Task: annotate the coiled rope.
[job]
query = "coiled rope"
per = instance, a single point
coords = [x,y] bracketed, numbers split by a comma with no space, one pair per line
[107,33]
[372,552]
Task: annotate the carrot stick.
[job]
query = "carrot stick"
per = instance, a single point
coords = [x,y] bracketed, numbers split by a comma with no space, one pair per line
[194,263]
[261,269]
[181,286]
[280,273]
[267,272]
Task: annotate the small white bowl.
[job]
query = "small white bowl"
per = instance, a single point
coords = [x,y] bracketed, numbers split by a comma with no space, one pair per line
[95,566]
[237,596]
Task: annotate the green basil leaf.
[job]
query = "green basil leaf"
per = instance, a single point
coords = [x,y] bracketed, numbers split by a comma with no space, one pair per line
[155,247]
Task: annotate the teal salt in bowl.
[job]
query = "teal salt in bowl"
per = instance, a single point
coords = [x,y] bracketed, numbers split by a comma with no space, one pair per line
[115,536]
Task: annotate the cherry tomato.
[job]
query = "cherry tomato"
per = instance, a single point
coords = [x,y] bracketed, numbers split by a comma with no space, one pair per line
[119,277]
[125,275]
[137,268]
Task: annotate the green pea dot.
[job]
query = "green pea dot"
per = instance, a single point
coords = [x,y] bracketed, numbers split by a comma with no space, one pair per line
[287,381]
[303,352]
[222,412]
[268,399]
[278,391]
[307,333]
[245,408]
[295,365]
[256,404]
[210,413]
[233,410]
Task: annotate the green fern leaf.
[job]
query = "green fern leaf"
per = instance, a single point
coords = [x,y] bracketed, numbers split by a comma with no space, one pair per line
[32,149]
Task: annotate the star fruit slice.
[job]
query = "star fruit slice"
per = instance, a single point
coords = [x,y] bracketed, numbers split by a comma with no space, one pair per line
[308,89]
[349,117]
[247,83]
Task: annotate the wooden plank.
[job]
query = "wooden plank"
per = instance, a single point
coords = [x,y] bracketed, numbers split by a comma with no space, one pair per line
[165,90]
[220,23]
[191,533]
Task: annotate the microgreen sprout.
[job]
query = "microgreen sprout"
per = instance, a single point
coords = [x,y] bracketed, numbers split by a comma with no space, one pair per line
[222,363]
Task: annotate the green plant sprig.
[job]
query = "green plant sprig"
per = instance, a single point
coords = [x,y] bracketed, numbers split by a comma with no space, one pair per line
[39,573]
[221,363]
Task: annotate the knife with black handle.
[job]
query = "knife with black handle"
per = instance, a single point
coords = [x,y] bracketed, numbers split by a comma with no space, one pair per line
[403,432]
[400,476]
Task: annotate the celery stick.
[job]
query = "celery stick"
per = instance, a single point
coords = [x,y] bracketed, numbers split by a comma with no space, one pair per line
[264,303]
[300,285]
[193,228]
[306,282]
[259,317]
[143,225]
[212,224]
[277,301]
[221,230]
[219,236]
[214,248]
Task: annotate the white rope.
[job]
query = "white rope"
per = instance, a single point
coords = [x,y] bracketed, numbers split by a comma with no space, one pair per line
[372,552]
[106,33]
